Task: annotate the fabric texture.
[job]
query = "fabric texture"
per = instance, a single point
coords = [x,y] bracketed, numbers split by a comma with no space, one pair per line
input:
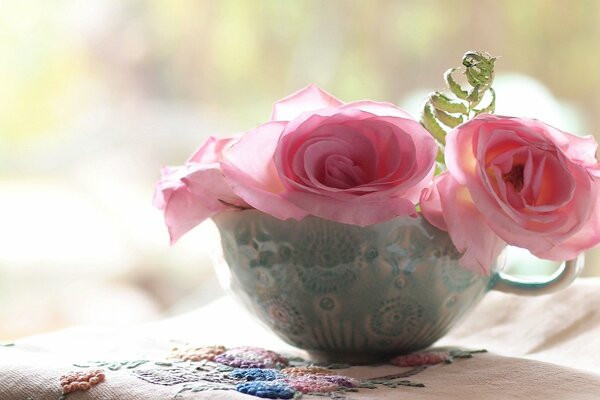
[544,347]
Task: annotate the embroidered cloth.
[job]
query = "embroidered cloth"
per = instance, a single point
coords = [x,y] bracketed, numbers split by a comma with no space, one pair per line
[538,348]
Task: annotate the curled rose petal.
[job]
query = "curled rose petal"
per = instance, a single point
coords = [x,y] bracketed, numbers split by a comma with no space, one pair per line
[250,172]
[308,99]
[467,227]
[191,193]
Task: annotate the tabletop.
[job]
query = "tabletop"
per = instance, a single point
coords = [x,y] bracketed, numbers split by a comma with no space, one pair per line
[545,347]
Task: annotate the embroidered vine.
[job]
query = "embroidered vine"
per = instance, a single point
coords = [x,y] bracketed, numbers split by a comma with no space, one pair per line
[257,372]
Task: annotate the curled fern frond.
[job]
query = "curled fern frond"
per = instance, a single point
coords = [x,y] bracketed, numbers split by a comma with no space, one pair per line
[443,112]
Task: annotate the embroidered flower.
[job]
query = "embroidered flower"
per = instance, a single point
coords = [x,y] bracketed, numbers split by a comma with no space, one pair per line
[81,380]
[418,359]
[299,371]
[255,374]
[197,353]
[251,357]
[271,390]
[320,383]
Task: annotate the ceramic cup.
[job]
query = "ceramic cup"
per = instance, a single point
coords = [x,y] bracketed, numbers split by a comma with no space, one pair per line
[345,292]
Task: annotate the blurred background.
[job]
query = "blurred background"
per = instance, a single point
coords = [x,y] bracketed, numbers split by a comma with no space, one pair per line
[96,96]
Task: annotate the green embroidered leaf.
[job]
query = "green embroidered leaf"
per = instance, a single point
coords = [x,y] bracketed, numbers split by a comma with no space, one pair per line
[135,364]
[163,364]
[10,344]
[367,385]
[444,103]
[112,366]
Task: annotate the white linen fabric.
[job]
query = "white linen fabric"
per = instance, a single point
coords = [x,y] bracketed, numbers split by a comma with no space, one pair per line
[546,347]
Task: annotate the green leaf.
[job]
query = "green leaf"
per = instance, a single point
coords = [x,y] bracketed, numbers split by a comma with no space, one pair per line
[429,122]
[491,107]
[447,119]
[479,68]
[454,86]
[472,77]
[442,102]
[475,96]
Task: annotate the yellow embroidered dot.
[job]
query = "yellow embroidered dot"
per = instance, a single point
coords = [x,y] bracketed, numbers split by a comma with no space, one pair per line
[197,353]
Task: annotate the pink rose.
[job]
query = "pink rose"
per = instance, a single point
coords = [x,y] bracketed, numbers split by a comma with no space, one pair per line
[189,194]
[448,206]
[533,186]
[358,163]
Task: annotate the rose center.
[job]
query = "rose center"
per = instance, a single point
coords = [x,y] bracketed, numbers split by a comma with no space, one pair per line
[342,173]
[515,177]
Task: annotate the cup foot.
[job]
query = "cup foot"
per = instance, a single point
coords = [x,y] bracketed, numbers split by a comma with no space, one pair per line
[351,358]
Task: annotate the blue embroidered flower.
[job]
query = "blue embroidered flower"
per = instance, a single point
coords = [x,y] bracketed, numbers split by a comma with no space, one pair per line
[255,374]
[269,390]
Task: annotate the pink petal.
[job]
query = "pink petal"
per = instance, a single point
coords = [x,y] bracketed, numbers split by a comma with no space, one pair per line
[190,194]
[183,212]
[207,182]
[461,145]
[170,181]
[250,172]
[468,228]
[211,149]
[580,149]
[377,108]
[357,211]
[587,237]
[431,204]
[308,99]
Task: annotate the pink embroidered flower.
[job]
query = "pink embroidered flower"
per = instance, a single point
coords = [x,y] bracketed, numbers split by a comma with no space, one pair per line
[81,380]
[320,383]
[419,359]
[358,163]
[191,193]
[519,181]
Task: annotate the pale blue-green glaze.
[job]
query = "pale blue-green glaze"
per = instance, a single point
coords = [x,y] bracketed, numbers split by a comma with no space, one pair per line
[333,288]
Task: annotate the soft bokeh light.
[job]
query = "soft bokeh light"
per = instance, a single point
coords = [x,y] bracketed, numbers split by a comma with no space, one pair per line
[98,95]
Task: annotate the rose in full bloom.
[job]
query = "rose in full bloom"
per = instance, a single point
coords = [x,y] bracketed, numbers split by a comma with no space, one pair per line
[529,184]
[359,163]
[191,193]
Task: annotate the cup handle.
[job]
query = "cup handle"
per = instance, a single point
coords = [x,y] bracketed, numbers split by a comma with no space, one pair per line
[562,278]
